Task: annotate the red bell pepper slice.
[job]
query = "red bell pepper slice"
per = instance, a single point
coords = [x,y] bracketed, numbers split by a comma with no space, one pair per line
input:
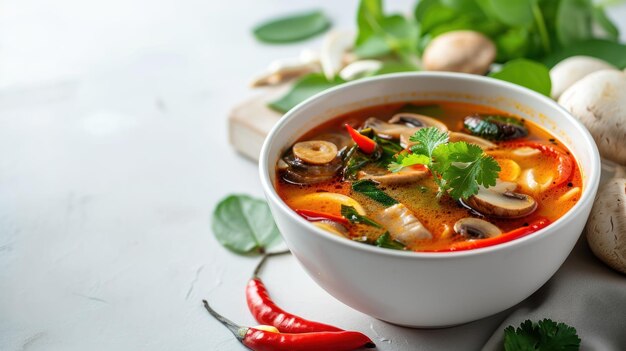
[366,144]
[502,238]
[565,161]
[315,216]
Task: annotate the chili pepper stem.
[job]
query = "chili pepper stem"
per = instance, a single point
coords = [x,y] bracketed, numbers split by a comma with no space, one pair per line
[261,263]
[237,330]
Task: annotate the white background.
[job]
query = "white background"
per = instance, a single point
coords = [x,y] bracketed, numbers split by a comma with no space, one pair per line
[113,154]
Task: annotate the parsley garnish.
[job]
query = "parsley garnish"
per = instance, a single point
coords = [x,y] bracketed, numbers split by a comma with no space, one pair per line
[542,336]
[458,168]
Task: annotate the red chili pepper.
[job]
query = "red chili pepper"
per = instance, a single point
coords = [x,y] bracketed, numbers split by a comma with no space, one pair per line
[366,144]
[265,311]
[314,216]
[508,236]
[261,340]
[565,161]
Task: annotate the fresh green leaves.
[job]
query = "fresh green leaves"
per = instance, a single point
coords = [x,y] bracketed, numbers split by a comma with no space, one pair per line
[349,213]
[244,224]
[387,242]
[527,73]
[458,168]
[545,335]
[304,88]
[609,51]
[292,28]
[381,35]
[494,127]
[370,189]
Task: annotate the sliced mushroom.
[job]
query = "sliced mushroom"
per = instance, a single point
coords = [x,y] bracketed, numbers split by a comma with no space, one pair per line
[459,51]
[300,172]
[406,175]
[283,70]
[332,227]
[315,152]
[501,201]
[402,224]
[341,140]
[483,143]
[388,130]
[360,69]
[334,47]
[415,120]
[474,228]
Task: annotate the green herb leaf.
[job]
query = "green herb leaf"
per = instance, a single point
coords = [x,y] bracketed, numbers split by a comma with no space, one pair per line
[573,21]
[292,28]
[389,151]
[370,189]
[370,11]
[354,161]
[306,87]
[513,12]
[494,127]
[407,160]
[244,224]
[387,242]
[609,51]
[600,17]
[527,73]
[542,336]
[349,213]
[428,139]
[467,167]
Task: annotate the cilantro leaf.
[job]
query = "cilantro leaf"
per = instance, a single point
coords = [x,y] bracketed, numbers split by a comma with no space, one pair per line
[368,188]
[349,213]
[428,139]
[542,336]
[407,160]
[463,178]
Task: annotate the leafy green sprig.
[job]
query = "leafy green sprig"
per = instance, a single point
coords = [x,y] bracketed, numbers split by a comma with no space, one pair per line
[458,168]
[541,336]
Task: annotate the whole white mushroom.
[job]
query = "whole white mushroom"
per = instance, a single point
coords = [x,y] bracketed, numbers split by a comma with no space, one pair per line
[573,69]
[606,227]
[459,51]
[599,102]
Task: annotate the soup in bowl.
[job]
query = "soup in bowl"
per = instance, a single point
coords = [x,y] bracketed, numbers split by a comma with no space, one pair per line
[430,199]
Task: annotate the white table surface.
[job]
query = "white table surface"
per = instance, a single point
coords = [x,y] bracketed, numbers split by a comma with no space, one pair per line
[114,153]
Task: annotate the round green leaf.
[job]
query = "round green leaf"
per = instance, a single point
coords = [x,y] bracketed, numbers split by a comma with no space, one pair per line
[244,224]
[292,28]
[527,73]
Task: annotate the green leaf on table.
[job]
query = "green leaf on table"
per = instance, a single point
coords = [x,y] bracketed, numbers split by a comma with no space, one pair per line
[609,51]
[303,89]
[292,28]
[530,74]
[387,242]
[546,335]
[350,213]
[244,224]
[573,21]
[370,189]
[369,12]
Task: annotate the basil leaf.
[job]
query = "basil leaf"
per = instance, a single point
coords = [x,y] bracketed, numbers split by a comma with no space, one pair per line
[573,21]
[369,12]
[292,28]
[244,224]
[512,12]
[354,161]
[370,189]
[388,243]
[527,73]
[303,89]
[349,213]
[609,51]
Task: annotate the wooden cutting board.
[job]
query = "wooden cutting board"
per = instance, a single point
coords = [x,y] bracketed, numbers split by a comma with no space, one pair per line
[250,121]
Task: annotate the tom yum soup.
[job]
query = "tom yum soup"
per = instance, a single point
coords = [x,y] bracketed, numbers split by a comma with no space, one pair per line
[445,176]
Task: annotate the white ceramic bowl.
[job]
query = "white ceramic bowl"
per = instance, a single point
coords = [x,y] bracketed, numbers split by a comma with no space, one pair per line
[431,289]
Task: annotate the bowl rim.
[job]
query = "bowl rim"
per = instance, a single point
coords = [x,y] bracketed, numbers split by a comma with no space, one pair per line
[592,171]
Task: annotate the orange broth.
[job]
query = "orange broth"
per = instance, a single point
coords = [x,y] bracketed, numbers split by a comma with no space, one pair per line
[439,216]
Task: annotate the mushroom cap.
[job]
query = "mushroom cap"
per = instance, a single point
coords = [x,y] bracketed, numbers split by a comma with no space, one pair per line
[407,175]
[501,201]
[606,227]
[567,72]
[459,51]
[599,102]
[316,152]
[475,228]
